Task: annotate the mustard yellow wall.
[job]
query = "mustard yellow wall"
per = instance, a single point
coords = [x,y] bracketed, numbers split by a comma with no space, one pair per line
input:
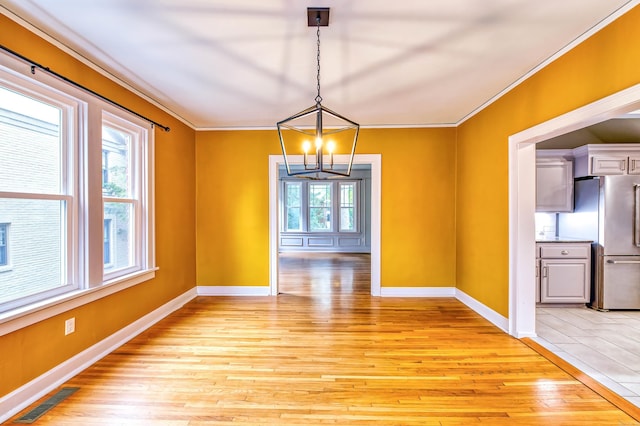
[27,353]
[418,193]
[604,64]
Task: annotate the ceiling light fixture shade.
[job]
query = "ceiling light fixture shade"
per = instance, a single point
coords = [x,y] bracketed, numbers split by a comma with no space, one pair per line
[317,133]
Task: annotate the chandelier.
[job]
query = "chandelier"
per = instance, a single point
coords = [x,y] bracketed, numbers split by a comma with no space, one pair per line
[317,133]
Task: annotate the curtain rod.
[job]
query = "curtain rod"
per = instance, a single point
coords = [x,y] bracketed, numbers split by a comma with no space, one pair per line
[35,65]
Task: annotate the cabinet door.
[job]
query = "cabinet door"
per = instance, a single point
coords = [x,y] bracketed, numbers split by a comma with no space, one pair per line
[554,186]
[601,166]
[634,165]
[564,281]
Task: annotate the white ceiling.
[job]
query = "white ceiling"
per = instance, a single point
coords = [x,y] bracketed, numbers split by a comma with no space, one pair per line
[251,63]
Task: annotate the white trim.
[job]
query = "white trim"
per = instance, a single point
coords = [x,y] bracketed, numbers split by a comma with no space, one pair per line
[362,126]
[221,290]
[484,311]
[375,160]
[418,292]
[16,319]
[522,198]
[19,399]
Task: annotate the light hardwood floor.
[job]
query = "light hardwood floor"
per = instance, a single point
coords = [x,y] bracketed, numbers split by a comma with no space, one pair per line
[605,345]
[326,352]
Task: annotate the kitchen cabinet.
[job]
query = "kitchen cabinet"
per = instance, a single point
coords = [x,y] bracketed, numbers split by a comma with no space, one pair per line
[607,160]
[564,271]
[554,182]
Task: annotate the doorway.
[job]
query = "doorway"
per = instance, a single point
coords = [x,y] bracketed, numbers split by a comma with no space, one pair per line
[522,198]
[375,162]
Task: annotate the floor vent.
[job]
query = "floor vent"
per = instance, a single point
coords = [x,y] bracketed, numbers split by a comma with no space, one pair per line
[47,405]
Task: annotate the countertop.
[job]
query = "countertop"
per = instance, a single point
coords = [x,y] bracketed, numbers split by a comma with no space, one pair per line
[543,239]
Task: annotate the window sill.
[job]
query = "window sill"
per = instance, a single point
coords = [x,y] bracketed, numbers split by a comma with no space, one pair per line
[27,315]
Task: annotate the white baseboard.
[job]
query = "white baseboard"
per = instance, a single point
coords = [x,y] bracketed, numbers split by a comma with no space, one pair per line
[233,290]
[418,292]
[483,310]
[487,313]
[16,401]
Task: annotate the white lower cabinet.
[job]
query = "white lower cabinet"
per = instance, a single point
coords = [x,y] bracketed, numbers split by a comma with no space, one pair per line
[564,271]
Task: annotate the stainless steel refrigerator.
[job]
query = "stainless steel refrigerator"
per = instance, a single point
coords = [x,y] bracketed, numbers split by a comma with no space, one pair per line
[607,211]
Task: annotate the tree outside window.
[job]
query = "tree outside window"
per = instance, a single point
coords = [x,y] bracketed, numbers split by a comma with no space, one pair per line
[320,207]
[294,206]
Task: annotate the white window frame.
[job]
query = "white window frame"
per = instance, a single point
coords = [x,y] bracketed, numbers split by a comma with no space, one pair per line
[331,207]
[137,197]
[356,206]
[285,225]
[70,108]
[336,225]
[84,231]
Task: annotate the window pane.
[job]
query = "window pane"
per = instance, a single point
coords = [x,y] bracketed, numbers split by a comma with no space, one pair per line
[320,206]
[121,235]
[293,193]
[4,254]
[30,143]
[106,244]
[293,219]
[320,195]
[320,218]
[346,219]
[116,155]
[347,207]
[37,236]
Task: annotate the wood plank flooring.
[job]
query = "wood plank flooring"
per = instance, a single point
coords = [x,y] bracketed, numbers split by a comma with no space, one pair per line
[325,352]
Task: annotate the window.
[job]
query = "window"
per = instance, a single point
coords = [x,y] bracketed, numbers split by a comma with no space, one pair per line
[347,206]
[311,207]
[37,194]
[69,232]
[4,244]
[121,192]
[320,207]
[293,191]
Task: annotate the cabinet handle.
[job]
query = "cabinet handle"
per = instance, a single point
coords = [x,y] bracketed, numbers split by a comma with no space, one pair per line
[564,252]
[544,272]
[627,262]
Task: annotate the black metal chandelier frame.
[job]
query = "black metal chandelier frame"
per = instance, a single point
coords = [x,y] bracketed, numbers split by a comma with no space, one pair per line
[318,17]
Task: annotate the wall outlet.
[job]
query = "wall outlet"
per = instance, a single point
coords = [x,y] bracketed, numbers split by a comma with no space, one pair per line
[69,326]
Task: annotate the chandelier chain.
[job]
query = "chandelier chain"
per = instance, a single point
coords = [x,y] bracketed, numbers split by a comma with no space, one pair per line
[318,97]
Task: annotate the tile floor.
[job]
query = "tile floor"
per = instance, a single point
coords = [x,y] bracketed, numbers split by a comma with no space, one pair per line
[604,345]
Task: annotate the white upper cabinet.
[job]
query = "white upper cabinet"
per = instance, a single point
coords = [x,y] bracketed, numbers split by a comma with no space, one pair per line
[554,181]
[607,160]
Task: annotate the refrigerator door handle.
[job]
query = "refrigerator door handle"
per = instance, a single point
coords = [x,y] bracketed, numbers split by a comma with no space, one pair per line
[615,262]
[636,214]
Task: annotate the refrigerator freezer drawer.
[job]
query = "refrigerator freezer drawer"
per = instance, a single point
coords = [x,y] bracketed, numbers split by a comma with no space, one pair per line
[619,287]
